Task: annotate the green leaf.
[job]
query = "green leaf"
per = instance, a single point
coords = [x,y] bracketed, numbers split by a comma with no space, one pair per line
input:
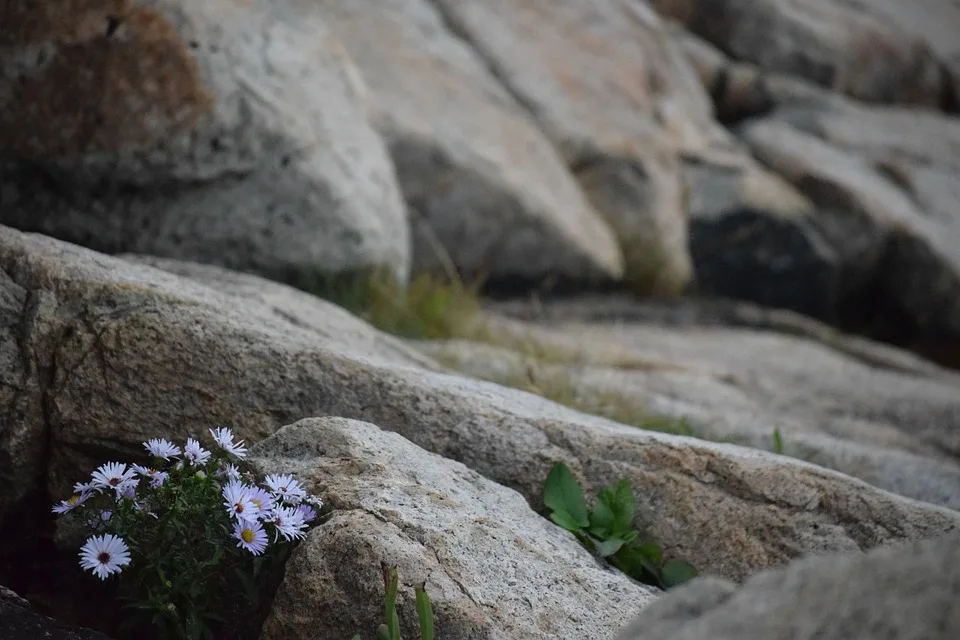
[565,520]
[638,561]
[610,546]
[562,494]
[383,633]
[612,516]
[677,572]
[424,613]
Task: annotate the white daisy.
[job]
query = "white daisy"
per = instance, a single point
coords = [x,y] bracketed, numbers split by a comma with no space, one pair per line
[285,488]
[236,498]
[71,503]
[251,536]
[162,448]
[104,555]
[114,475]
[289,522]
[263,499]
[224,439]
[83,487]
[156,477]
[229,471]
[195,453]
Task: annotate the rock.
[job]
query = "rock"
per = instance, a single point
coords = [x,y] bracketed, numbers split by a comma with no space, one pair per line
[619,100]
[754,237]
[902,592]
[107,353]
[18,622]
[481,180]
[892,250]
[934,22]
[492,567]
[848,405]
[850,47]
[225,133]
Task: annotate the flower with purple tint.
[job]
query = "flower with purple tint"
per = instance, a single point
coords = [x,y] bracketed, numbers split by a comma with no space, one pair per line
[285,488]
[251,536]
[104,555]
[195,453]
[236,498]
[308,512]
[224,439]
[289,522]
[161,448]
[114,475]
[156,477]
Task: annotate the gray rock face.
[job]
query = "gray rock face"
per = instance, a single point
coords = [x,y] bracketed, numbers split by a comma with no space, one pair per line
[492,567]
[227,133]
[618,99]
[18,622]
[903,592]
[852,406]
[106,353]
[481,180]
[885,238]
[852,47]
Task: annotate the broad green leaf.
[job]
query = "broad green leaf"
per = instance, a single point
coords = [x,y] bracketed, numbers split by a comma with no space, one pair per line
[636,561]
[424,613]
[565,520]
[610,546]
[383,633]
[677,572]
[562,493]
[612,516]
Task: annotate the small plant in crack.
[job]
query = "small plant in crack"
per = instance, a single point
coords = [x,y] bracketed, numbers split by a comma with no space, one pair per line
[607,529]
[390,629]
[190,536]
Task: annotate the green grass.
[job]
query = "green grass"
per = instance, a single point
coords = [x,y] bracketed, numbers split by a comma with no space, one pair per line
[430,307]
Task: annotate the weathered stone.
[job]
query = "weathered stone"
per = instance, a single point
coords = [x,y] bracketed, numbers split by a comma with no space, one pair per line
[886,243]
[227,133]
[754,237]
[620,101]
[129,352]
[492,567]
[481,180]
[847,404]
[903,592]
[847,46]
[18,622]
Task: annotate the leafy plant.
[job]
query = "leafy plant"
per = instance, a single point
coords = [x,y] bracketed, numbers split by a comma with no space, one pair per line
[390,630]
[607,529]
[187,533]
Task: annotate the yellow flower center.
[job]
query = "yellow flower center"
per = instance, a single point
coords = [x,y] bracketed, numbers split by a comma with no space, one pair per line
[73,500]
[247,535]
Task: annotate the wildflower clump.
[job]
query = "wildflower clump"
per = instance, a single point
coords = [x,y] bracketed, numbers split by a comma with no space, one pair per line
[188,531]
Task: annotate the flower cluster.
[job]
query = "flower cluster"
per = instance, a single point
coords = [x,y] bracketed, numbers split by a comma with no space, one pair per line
[128,506]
